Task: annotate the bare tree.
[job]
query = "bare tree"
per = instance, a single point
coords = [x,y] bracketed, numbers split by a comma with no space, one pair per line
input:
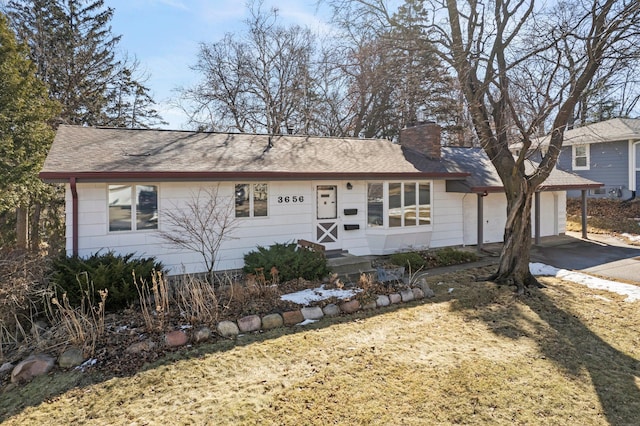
[260,81]
[201,226]
[488,46]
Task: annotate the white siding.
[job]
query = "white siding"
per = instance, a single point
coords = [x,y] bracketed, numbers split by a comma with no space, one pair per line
[453,222]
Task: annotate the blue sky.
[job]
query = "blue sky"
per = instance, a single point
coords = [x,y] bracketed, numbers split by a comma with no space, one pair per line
[164,36]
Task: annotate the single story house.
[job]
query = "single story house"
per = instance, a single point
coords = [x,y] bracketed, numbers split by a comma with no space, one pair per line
[364,196]
[607,152]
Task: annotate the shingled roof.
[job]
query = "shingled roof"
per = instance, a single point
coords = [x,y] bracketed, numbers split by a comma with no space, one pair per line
[100,154]
[484,177]
[616,129]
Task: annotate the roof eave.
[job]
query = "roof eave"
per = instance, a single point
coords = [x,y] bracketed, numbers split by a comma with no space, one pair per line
[61,177]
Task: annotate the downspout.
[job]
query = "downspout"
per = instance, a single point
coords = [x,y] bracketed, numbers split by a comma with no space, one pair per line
[74,216]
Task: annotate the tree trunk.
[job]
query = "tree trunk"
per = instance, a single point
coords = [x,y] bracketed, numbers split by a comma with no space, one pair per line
[22,227]
[516,250]
[34,234]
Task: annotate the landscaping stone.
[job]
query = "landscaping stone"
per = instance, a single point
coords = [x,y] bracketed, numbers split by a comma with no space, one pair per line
[407,295]
[71,358]
[383,300]
[272,321]
[5,369]
[350,306]
[395,298]
[312,313]
[370,305]
[34,365]
[417,293]
[249,323]
[422,283]
[331,310]
[202,334]
[292,317]
[228,329]
[176,338]
[144,346]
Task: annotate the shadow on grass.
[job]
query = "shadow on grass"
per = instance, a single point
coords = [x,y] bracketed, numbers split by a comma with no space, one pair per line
[563,339]
[49,387]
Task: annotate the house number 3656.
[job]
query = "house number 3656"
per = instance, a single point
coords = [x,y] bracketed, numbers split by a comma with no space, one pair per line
[291,199]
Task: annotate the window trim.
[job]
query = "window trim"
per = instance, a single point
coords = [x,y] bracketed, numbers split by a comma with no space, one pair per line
[251,200]
[134,207]
[385,205]
[574,157]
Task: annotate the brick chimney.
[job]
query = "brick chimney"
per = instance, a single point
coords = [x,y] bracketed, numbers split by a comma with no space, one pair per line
[423,137]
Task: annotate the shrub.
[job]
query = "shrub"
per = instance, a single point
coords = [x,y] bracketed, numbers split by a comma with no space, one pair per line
[73,275]
[412,260]
[290,262]
[450,256]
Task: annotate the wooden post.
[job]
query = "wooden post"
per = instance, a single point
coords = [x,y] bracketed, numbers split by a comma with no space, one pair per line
[583,199]
[537,218]
[480,222]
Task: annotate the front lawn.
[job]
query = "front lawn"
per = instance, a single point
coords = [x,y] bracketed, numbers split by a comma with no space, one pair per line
[474,354]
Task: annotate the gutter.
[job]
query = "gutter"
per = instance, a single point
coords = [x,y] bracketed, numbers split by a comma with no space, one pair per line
[74,216]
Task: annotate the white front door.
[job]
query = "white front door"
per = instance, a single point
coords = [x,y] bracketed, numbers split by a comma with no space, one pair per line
[327,222]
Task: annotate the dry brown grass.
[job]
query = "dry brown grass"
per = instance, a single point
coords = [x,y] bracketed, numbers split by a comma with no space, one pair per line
[605,216]
[564,355]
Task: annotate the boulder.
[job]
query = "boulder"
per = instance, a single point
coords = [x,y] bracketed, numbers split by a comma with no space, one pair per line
[249,323]
[272,321]
[71,357]
[422,284]
[417,293]
[331,310]
[292,317]
[34,365]
[370,305]
[383,300]
[176,338]
[228,329]
[312,313]
[395,298]
[143,346]
[201,334]
[406,295]
[350,306]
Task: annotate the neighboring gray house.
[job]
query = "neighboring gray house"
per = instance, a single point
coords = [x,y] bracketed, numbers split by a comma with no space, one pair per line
[607,152]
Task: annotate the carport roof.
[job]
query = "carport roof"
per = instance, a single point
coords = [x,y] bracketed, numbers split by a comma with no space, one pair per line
[484,177]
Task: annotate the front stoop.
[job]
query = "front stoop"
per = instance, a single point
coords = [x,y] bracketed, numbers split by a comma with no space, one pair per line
[349,267]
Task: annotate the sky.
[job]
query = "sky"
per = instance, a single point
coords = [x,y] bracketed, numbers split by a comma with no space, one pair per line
[164,36]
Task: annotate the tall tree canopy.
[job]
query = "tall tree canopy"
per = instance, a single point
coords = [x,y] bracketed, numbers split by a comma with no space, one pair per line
[74,51]
[523,67]
[25,137]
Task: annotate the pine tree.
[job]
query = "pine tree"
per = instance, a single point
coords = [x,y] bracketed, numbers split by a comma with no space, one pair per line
[25,137]
[74,50]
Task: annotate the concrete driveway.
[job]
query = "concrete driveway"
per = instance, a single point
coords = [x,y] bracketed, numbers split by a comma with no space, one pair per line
[605,256]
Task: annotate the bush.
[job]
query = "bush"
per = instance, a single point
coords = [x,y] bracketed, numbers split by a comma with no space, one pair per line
[412,260]
[75,276]
[290,261]
[450,256]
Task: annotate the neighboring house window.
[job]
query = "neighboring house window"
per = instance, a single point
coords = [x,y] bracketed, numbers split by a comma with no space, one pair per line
[133,207]
[407,204]
[580,157]
[252,200]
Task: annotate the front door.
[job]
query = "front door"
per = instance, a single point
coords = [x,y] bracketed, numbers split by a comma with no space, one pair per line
[327,229]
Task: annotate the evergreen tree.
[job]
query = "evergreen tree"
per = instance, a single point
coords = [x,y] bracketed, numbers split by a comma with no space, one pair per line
[25,137]
[73,47]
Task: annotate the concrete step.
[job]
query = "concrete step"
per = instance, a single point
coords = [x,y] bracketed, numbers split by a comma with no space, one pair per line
[349,267]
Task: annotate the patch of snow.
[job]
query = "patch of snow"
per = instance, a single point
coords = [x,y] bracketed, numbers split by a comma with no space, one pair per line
[451,290]
[631,291]
[308,296]
[632,237]
[307,322]
[88,363]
